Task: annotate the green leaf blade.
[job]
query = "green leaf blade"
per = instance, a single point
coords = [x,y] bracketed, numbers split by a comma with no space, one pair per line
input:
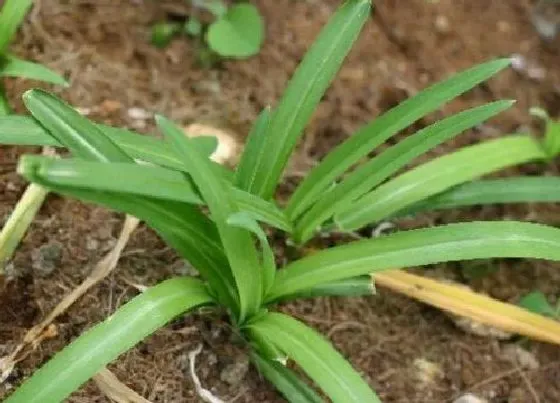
[390,161]
[182,226]
[25,130]
[11,16]
[11,66]
[453,242]
[238,243]
[379,130]
[247,167]
[304,92]
[437,176]
[100,345]
[285,380]
[73,130]
[316,356]
[521,189]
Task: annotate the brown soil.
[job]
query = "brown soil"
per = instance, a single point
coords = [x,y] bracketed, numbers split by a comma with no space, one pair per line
[102,47]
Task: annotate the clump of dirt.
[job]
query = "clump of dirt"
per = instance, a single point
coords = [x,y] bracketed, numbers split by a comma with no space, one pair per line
[119,78]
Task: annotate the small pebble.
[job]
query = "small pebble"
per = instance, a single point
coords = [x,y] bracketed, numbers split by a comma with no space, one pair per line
[470,398]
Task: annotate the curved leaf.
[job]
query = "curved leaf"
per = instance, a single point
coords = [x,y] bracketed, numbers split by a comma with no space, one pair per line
[11,16]
[436,176]
[477,240]
[372,135]
[11,66]
[100,345]
[529,189]
[25,130]
[315,356]
[181,225]
[78,134]
[374,172]
[304,92]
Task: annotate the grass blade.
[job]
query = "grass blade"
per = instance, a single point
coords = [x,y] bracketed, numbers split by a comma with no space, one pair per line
[100,345]
[437,176]
[24,130]
[304,92]
[370,136]
[11,16]
[390,161]
[359,286]
[238,243]
[11,66]
[466,241]
[247,167]
[315,356]
[73,130]
[530,189]
[285,381]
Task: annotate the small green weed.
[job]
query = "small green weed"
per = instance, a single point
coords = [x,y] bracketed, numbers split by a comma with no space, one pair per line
[165,183]
[12,14]
[236,32]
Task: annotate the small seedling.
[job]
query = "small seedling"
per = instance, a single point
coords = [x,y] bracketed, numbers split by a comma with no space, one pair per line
[11,16]
[236,32]
[537,302]
[214,217]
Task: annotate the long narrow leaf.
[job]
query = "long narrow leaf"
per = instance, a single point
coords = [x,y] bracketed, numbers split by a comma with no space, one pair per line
[25,130]
[466,241]
[247,167]
[247,221]
[378,131]
[117,177]
[11,66]
[238,243]
[390,161]
[73,130]
[437,176]
[184,227]
[304,92]
[100,345]
[316,356]
[529,189]
[285,380]
[359,286]
[144,180]
[11,16]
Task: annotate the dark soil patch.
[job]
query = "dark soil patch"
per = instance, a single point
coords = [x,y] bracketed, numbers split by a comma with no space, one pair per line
[102,47]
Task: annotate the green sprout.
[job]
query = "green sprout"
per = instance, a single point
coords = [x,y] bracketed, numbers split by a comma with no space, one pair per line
[216,218]
[11,16]
[236,32]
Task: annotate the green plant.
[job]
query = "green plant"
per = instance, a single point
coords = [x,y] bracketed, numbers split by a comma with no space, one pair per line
[537,302]
[12,14]
[229,247]
[236,32]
